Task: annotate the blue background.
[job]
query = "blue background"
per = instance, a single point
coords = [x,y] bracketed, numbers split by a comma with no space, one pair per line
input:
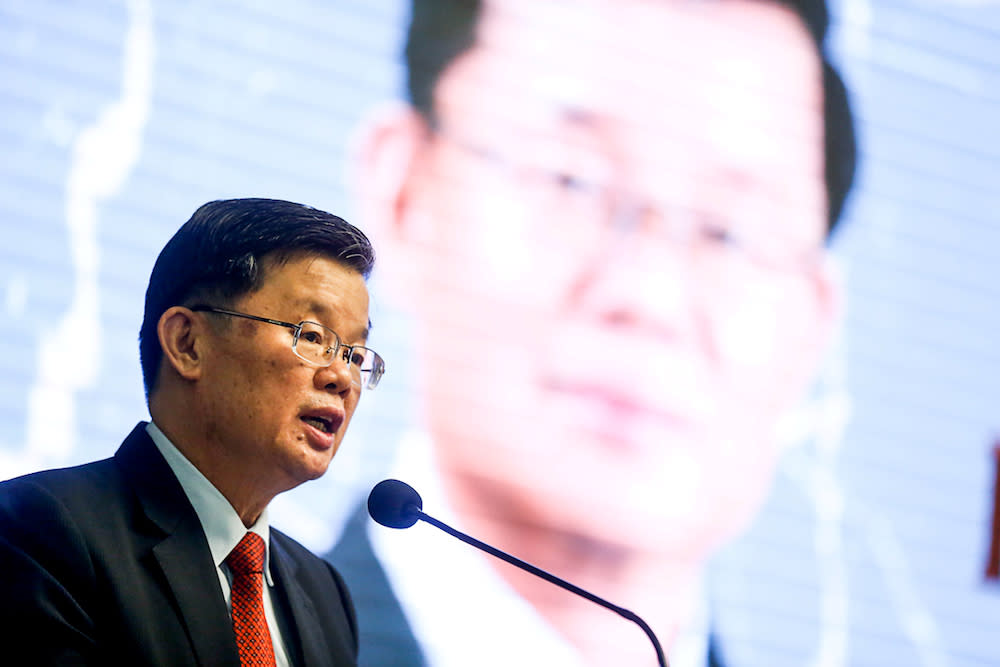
[119,119]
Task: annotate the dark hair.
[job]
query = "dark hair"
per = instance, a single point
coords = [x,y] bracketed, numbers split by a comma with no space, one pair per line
[442,30]
[218,255]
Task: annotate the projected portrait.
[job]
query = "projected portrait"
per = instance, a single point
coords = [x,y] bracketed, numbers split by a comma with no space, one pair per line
[607,222]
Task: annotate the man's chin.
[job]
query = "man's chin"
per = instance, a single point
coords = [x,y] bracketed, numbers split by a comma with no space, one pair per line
[667,514]
[313,467]
[631,537]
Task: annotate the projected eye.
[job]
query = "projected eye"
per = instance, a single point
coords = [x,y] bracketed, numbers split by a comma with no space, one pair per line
[717,232]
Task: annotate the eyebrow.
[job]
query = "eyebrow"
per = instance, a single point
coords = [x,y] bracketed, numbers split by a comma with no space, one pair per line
[572,121]
[364,332]
[323,310]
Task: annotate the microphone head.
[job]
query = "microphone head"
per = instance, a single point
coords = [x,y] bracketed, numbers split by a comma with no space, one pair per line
[394,504]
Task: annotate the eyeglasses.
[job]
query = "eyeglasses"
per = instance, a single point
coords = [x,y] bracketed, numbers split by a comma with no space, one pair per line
[319,345]
[585,196]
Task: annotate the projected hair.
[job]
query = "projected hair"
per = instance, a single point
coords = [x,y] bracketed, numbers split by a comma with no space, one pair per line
[218,256]
[441,30]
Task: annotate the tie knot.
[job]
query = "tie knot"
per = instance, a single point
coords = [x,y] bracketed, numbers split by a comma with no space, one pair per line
[247,557]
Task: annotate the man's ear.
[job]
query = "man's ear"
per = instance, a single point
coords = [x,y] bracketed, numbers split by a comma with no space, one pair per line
[181,335]
[830,297]
[391,152]
[822,325]
[822,332]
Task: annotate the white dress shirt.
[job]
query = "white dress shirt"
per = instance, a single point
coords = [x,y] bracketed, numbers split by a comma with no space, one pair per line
[223,529]
[459,607]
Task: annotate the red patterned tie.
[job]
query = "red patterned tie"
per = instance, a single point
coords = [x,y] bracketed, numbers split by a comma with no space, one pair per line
[249,623]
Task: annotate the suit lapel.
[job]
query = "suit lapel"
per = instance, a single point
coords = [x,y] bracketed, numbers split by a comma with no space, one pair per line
[199,597]
[307,645]
[183,554]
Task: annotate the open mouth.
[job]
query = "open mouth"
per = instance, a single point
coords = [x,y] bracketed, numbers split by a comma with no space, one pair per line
[319,423]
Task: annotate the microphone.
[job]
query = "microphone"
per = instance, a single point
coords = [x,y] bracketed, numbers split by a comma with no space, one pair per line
[396,504]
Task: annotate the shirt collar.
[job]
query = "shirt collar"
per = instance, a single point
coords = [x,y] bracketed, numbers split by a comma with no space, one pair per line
[423,564]
[434,578]
[222,525]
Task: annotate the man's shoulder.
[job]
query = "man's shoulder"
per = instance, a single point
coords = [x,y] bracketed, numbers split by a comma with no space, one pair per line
[69,476]
[304,575]
[53,524]
[289,547]
[86,485]
[304,564]
[99,500]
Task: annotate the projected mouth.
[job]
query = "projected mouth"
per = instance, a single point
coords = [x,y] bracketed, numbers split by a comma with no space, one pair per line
[600,409]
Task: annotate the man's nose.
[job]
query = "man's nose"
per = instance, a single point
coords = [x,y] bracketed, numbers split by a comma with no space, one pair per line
[336,377]
[643,276]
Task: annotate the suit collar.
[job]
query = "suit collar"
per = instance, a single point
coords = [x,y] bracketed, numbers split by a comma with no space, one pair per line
[302,626]
[180,550]
[222,526]
[311,645]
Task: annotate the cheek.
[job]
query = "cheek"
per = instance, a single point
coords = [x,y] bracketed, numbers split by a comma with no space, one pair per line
[747,332]
[479,384]
[494,246]
[488,297]
[762,326]
[478,373]
[350,405]
[268,391]
[763,348]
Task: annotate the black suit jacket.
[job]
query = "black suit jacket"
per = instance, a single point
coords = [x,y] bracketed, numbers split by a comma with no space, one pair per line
[386,636]
[107,564]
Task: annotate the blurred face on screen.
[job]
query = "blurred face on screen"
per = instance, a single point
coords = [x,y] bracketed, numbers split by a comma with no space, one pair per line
[611,243]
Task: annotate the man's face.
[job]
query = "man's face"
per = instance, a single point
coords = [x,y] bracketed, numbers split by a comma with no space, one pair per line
[270,413]
[617,231]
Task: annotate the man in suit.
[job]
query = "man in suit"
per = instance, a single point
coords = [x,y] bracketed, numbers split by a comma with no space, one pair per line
[254,360]
[607,221]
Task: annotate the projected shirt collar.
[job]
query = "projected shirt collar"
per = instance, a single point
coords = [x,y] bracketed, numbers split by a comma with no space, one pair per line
[438,579]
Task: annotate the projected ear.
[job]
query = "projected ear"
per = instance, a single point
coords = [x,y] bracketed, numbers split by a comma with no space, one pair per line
[391,152]
[816,329]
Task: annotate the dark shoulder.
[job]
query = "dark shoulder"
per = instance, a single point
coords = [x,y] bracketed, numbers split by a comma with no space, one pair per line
[291,545]
[288,548]
[318,580]
[81,490]
[48,521]
[314,572]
